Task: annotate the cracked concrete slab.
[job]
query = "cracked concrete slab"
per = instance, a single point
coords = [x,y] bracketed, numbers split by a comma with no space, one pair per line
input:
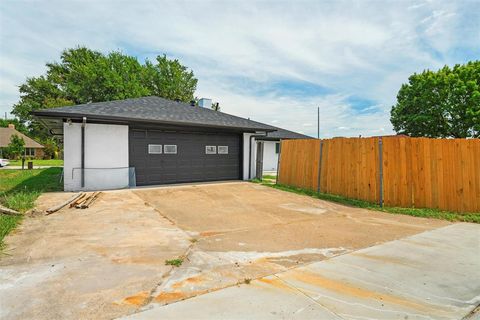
[86,263]
[245,231]
[432,275]
[109,260]
[241,302]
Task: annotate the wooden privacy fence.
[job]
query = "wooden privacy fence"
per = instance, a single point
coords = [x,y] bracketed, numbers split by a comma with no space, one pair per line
[395,171]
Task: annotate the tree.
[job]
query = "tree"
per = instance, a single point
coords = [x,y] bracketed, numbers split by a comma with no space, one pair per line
[442,104]
[50,149]
[83,75]
[170,79]
[16,147]
[18,125]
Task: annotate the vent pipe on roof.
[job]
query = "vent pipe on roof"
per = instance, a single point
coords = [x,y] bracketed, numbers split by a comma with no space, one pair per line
[205,103]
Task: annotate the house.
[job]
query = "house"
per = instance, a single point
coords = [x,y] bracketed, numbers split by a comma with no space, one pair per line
[33,149]
[271,146]
[151,141]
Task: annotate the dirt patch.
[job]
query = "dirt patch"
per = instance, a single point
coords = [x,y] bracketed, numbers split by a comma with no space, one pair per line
[139,299]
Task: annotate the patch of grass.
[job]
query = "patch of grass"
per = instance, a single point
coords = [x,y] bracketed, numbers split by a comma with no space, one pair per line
[247,280]
[7,224]
[416,212]
[270,177]
[20,188]
[39,162]
[174,262]
[41,180]
[21,201]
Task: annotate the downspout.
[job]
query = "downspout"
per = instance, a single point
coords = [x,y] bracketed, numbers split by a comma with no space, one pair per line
[84,123]
[250,153]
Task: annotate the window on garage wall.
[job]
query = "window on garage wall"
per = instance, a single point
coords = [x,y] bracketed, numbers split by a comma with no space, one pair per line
[222,149]
[170,149]
[155,149]
[210,149]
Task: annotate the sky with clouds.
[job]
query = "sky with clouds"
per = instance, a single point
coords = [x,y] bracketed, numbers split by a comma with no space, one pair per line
[271,61]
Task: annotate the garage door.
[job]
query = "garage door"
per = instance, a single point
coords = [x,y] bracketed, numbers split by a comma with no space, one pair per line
[168,157]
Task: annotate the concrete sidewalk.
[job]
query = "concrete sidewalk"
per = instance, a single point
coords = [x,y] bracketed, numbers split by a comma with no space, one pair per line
[432,275]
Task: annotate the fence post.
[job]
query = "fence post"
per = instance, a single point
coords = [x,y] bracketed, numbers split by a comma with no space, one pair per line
[320,166]
[380,167]
[278,162]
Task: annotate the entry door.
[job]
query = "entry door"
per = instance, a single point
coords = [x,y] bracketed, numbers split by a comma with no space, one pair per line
[259,162]
[169,157]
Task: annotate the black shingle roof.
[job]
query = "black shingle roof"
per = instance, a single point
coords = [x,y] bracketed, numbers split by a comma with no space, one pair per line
[157,110]
[286,134]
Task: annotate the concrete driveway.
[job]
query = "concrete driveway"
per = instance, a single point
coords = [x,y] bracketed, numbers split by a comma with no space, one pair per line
[419,277]
[109,260]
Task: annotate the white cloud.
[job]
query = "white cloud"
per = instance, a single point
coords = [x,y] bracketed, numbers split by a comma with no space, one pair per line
[353,49]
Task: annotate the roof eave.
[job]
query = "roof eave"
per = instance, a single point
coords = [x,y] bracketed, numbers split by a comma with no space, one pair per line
[115,119]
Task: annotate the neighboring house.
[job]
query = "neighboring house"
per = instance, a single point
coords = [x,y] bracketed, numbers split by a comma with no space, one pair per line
[271,146]
[33,149]
[150,141]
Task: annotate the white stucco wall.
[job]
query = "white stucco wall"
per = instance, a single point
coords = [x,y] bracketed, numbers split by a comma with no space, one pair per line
[246,160]
[270,158]
[106,156]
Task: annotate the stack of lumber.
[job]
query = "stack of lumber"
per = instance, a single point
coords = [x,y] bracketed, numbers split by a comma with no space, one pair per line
[81,200]
[85,200]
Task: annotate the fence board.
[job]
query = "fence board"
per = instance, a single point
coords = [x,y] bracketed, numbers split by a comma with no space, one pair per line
[417,172]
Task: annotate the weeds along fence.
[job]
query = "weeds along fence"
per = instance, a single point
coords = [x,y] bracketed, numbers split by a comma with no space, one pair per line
[395,171]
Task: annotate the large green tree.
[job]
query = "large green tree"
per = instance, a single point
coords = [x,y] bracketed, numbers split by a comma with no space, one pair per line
[16,147]
[83,75]
[445,103]
[19,126]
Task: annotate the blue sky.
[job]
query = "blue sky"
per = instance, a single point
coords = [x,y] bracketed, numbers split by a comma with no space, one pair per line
[271,61]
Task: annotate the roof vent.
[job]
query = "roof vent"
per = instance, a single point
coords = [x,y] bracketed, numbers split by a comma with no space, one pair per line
[205,103]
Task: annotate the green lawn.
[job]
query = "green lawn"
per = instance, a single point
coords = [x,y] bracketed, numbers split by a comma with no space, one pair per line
[50,162]
[269,177]
[417,212]
[20,188]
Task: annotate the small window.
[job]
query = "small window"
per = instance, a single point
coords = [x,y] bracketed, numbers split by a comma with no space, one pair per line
[222,149]
[155,149]
[210,149]
[277,147]
[30,152]
[170,149]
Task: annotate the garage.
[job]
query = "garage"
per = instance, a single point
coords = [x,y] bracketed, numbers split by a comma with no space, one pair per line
[161,157]
[151,141]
